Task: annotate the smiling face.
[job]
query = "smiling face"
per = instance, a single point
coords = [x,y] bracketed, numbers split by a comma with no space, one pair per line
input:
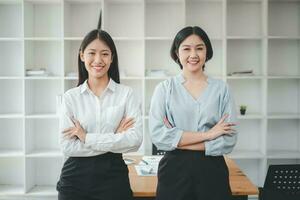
[97,58]
[192,53]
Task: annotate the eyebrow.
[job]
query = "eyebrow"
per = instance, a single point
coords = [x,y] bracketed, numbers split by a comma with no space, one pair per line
[186,45]
[96,50]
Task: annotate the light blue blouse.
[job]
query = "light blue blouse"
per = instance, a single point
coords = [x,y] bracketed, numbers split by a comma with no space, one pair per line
[172,100]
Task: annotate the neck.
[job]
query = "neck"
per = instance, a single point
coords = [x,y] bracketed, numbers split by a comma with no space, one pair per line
[98,85]
[194,77]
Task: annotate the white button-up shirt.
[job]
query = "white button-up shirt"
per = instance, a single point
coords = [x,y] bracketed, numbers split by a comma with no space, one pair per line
[100,118]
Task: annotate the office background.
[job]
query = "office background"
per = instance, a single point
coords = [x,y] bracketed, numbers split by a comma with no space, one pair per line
[258,35]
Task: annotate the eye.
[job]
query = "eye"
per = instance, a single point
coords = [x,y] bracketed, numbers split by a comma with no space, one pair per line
[200,48]
[91,53]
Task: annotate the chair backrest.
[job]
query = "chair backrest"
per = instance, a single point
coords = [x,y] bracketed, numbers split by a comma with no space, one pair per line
[282,182]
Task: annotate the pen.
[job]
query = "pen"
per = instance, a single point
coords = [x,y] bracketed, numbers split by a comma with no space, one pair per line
[145,162]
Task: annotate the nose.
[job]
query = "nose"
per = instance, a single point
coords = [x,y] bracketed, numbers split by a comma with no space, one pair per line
[193,53]
[98,58]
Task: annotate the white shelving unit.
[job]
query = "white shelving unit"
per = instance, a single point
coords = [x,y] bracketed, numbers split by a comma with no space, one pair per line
[245,34]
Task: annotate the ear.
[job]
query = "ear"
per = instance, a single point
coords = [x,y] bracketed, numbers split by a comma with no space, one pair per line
[81,56]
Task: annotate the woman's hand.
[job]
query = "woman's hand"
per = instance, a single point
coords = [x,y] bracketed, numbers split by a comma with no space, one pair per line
[221,128]
[125,124]
[76,131]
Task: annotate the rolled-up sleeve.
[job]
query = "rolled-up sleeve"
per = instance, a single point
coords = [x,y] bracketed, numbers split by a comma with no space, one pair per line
[163,137]
[71,147]
[224,144]
[127,141]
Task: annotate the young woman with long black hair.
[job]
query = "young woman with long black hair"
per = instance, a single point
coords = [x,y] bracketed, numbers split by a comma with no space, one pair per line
[100,120]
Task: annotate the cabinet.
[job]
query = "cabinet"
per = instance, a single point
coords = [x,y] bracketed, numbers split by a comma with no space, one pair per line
[262,35]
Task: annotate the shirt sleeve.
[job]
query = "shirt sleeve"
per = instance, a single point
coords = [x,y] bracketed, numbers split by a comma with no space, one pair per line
[126,141]
[163,138]
[71,147]
[224,144]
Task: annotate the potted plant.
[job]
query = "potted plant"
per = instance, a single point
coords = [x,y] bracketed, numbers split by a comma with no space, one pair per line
[243,109]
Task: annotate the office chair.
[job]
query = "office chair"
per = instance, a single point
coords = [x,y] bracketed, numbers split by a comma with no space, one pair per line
[282,183]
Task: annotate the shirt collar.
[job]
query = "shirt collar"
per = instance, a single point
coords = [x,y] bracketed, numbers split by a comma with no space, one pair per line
[111,86]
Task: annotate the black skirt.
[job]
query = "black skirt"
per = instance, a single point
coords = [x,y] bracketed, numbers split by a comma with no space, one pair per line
[190,175]
[102,177]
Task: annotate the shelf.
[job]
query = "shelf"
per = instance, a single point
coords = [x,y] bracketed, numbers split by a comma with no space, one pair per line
[41,141]
[127,16]
[137,86]
[47,190]
[11,97]
[11,19]
[250,116]
[44,54]
[241,77]
[284,77]
[49,153]
[11,67]
[12,137]
[71,49]
[157,57]
[42,175]
[282,63]
[283,116]
[283,38]
[40,96]
[283,92]
[214,66]
[11,153]
[11,176]
[11,116]
[198,13]
[70,84]
[131,57]
[245,88]
[42,116]
[244,55]
[281,12]
[74,12]
[11,190]
[42,19]
[156,16]
[233,38]
[149,87]
[240,13]
[249,128]
[276,129]
[42,78]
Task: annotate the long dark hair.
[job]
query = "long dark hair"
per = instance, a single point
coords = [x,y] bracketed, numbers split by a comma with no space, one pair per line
[182,35]
[102,35]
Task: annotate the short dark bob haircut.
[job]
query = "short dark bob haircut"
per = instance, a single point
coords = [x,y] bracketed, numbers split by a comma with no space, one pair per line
[102,35]
[183,34]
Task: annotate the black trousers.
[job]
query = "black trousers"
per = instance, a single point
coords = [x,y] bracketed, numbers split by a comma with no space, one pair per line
[103,177]
[190,175]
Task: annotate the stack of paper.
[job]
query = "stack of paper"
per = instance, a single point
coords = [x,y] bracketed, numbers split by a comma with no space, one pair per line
[37,72]
[148,166]
[241,72]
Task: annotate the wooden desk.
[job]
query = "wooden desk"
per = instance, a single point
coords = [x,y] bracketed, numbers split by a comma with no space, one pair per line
[144,187]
